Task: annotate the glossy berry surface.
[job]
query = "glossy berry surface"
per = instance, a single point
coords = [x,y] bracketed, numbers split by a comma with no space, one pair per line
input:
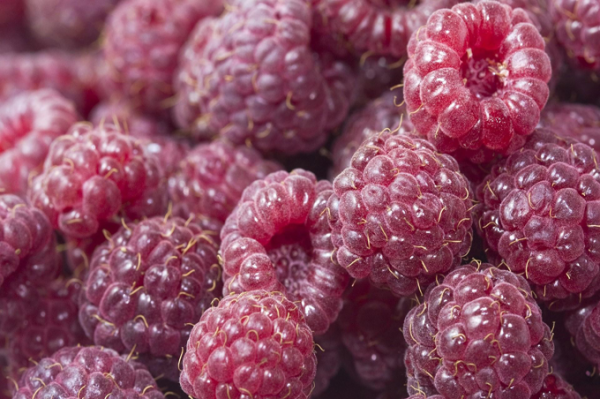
[476,78]
[555,387]
[29,122]
[577,121]
[538,215]
[94,175]
[478,333]
[278,238]
[255,344]
[400,213]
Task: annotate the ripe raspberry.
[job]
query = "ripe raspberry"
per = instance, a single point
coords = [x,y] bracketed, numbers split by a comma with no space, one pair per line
[143,39]
[27,242]
[278,238]
[476,78]
[584,326]
[479,334]
[212,177]
[251,77]
[400,213]
[88,373]
[255,344]
[538,215]
[67,23]
[329,359]
[93,174]
[148,284]
[577,121]
[11,12]
[555,387]
[29,122]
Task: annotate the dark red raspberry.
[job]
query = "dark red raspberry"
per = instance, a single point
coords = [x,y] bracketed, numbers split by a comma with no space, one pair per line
[329,359]
[420,396]
[29,122]
[555,387]
[5,388]
[400,213]
[476,78]
[538,213]
[251,77]
[278,238]
[14,39]
[584,326]
[11,12]
[95,174]
[212,177]
[578,85]
[479,334]
[148,284]
[255,345]
[577,121]
[87,373]
[27,243]
[67,23]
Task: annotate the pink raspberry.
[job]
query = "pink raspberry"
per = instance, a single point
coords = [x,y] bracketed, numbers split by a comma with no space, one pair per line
[555,387]
[251,77]
[256,345]
[143,39]
[577,121]
[95,174]
[479,333]
[476,78]
[278,238]
[29,122]
[538,213]
[400,213]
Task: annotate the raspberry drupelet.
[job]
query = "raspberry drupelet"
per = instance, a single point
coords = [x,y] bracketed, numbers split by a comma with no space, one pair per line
[87,373]
[278,238]
[479,333]
[148,284]
[555,387]
[476,79]
[584,326]
[400,213]
[577,121]
[29,122]
[538,215]
[95,175]
[256,344]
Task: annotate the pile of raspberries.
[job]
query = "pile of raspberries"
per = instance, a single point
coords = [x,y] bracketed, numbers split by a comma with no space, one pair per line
[295,199]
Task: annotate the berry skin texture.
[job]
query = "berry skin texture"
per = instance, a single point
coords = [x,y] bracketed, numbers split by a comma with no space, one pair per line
[537,214]
[476,78]
[479,333]
[27,243]
[577,121]
[148,284]
[93,174]
[278,238]
[555,387]
[88,373]
[584,326]
[212,177]
[255,345]
[29,122]
[400,213]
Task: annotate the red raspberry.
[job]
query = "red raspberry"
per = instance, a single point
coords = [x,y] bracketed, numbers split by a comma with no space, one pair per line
[212,177]
[555,387]
[251,77]
[143,39]
[27,242]
[11,11]
[278,238]
[584,326]
[87,373]
[256,345]
[67,23]
[400,213]
[577,121]
[29,122]
[477,78]
[94,173]
[148,284]
[538,215]
[479,334]
[329,359]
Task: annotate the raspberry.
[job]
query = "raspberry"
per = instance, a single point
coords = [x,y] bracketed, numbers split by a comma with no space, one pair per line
[556,388]
[255,344]
[27,242]
[577,121]
[377,75]
[88,373]
[476,78]
[94,173]
[400,213]
[420,396]
[251,77]
[329,359]
[143,39]
[479,334]
[148,284]
[212,177]
[11,11]
[584,326]
[29,122]
[538,215]
[278,238]
[67,23]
